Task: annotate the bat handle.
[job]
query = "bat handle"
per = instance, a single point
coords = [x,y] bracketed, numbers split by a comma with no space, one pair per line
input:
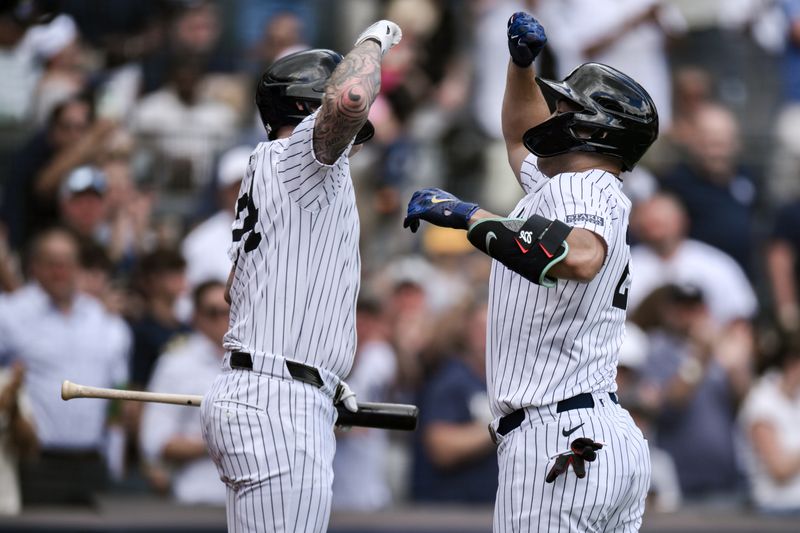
[69,390]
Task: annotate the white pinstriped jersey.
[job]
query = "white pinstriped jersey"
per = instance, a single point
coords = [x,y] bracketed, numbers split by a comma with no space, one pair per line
[295,244]
[546,345]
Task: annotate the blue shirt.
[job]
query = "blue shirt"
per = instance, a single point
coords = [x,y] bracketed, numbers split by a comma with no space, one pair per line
[700,435]
[791,56]
[720,214]
[446,398]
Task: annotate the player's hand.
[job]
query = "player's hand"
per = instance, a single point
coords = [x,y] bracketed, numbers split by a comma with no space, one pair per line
[385,32]
[439,208]
[526,38]
[346,397]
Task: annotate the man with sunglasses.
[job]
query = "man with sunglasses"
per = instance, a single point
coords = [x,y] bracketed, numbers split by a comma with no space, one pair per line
[558,294]
[171,441]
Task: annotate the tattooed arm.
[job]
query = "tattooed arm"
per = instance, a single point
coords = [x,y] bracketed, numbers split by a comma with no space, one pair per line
[351,90]
[349,94]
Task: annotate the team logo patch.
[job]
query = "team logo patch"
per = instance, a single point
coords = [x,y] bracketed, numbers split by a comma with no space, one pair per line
[586,217]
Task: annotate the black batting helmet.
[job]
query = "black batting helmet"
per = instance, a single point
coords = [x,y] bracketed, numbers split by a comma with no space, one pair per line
[297,78]
[615,110]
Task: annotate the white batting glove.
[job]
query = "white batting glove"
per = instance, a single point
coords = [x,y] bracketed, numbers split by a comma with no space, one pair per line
[386,32]
[346,397]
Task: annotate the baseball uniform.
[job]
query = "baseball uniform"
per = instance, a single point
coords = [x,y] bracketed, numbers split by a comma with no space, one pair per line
[551,355]
[268,420]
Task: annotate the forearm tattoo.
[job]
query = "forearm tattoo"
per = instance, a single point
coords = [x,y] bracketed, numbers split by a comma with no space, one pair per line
[349,94]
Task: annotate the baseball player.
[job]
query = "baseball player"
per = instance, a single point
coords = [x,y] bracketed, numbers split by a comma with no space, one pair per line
[268,418]
[570,458]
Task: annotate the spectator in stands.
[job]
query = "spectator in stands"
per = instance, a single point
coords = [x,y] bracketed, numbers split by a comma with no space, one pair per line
[718,194]
[785,161]
[360,470]
[641,399]
[283,35]
[9,276]
[629,36]
[59,333]
[64,75]
[783,266]
[17,435]
[205,248]
[180,124]
[18,61]
[701,372]
[81,203]
[162,280]
[171,438]
[96,278]
[770,419]
[454,455]
[70,139]
[665,255]
[194,34]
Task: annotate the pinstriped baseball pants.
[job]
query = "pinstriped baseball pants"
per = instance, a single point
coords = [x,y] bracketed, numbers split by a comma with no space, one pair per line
[272,440]
[610,498]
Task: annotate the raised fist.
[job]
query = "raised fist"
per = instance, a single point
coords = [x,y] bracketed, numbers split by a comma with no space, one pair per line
[526,38]
[385,32]
[439,208]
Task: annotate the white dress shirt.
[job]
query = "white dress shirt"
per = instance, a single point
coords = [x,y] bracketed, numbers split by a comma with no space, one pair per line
[726,290]
[205,249]
[87,345]
[186,368]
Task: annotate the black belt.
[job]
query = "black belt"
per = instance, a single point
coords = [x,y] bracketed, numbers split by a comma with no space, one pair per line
[512,421]
[299,371]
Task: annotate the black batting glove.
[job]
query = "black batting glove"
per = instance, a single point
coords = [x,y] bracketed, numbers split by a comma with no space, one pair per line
[526,38]
[581,450]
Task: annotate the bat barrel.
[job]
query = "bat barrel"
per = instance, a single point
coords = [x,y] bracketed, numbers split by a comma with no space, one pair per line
[399,417]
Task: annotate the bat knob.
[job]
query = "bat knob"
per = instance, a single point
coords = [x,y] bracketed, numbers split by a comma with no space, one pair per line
[67,390]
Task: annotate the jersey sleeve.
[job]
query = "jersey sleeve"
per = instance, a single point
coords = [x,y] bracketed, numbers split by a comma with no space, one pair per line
[310,183]
[580,201]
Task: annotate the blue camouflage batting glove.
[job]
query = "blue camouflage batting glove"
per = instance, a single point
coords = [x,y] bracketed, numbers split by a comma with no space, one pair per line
[526,38]
[439,208]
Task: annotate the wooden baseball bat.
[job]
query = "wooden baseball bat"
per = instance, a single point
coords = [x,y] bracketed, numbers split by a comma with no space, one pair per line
[373,415]
[70,390]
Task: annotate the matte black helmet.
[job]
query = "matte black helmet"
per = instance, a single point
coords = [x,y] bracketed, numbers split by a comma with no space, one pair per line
[297,78]
[617,117]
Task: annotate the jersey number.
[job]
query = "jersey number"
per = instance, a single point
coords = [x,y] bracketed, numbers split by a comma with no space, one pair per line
[249,224]
[620,300]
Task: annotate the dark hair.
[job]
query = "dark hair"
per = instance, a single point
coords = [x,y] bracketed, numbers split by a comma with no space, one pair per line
[161,260]
[788,350]
[58,110]
[202,289]
[95,257]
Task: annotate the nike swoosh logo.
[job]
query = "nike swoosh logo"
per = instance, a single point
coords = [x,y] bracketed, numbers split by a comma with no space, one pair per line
[489,237]
[436,200]
[522,248]
[571,431]
[548,254]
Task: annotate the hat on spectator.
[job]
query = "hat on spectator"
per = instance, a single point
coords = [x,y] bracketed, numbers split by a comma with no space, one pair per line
[49,40]
[82,179]
[233,165]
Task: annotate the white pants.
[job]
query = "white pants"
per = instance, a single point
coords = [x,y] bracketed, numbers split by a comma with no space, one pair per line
[272,440]
[610,498]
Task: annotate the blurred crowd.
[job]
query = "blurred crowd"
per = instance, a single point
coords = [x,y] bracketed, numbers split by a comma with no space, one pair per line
[126,128]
